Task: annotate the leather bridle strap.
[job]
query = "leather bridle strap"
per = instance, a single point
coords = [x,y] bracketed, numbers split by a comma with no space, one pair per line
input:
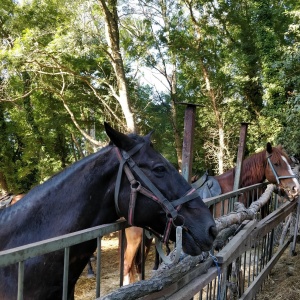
[189,196]
[127,164]
[155,194]
[278,178]
[120,172]
[171,208]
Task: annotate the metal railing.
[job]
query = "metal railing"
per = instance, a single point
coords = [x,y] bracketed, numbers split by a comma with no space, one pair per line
[253,251]
[226,201]
[21,254]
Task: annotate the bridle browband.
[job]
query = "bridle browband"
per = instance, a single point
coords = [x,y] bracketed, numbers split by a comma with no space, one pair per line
[278,178]
[171,208]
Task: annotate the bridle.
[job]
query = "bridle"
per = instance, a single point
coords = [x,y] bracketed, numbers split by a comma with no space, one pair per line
[278,178]
[171,208]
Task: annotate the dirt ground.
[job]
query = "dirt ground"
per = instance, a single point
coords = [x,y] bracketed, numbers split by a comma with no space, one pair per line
[110,272]
[283,282]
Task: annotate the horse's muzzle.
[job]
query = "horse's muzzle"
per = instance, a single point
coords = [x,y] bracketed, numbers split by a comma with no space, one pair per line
[213,231]
[293,194]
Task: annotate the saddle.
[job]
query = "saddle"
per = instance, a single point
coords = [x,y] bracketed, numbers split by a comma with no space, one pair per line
[207,186]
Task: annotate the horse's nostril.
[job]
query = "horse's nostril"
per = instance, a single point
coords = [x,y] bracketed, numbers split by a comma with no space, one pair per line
[213,231]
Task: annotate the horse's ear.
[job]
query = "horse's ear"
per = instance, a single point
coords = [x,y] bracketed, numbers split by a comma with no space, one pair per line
[147,137]
[269,148]
[121,140]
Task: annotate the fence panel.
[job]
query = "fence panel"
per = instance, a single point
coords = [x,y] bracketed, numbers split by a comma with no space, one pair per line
[205,286]
[21,254]
[252,252]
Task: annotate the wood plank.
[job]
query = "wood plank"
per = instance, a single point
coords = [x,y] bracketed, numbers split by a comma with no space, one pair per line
[274,218]
[169,291]
[195,286]
[246,238]
[237,244]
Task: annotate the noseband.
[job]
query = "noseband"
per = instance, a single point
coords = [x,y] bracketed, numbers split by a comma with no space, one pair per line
[171,208]
[278,178]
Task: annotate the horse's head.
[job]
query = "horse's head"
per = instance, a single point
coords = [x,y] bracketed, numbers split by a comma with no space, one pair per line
[278,171]
[157,196]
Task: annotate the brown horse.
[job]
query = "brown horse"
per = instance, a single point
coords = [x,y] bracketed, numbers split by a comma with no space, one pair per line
[272,164]
[16,198]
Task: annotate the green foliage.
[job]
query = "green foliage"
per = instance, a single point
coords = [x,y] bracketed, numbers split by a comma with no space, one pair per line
[238,60]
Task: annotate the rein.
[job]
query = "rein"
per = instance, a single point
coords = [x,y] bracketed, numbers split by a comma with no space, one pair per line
[171,208]
[278,178]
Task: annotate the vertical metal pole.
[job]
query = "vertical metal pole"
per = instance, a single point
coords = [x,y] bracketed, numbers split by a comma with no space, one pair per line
[122,251]
[188,140]
[237,178]
[293,248]
[66,273]
[20,280]
[98,274]
[240,156]
[143,254]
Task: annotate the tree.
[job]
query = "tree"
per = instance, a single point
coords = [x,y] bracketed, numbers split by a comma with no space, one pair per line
[151,41]
[114,55]
[66,66]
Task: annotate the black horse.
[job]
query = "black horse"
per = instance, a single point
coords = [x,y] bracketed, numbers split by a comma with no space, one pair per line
[95,191]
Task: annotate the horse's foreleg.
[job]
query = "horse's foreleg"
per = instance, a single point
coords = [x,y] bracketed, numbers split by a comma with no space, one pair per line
[138,258]
[133,241]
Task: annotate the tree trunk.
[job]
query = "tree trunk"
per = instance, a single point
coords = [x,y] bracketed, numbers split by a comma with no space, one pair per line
[212,96]
[177,137]
[112,36]
[3,183]
[173,87]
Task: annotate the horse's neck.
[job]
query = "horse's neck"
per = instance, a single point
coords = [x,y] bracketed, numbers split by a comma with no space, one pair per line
[254,169]
[75,199]
[253,172]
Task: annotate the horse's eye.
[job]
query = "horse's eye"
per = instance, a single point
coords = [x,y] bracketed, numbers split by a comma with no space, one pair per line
[276,164]
[159,171]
